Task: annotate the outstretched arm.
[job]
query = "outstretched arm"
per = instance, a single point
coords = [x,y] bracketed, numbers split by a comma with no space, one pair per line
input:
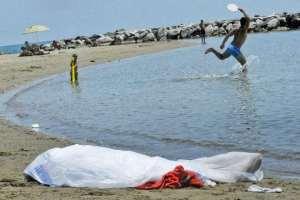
[246,16]
[244,13]
[231,33]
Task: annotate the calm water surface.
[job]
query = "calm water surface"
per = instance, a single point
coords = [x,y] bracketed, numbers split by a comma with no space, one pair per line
[181,104]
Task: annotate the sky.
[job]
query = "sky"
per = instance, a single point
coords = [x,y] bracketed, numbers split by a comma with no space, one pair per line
[69,18]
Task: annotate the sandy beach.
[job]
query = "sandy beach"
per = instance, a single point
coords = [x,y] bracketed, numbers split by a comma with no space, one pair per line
[20,145]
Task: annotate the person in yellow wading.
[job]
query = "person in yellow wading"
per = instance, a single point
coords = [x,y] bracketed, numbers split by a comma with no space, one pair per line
[73,71]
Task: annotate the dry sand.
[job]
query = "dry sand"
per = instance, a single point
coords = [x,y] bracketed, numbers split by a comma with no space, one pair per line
[20,145]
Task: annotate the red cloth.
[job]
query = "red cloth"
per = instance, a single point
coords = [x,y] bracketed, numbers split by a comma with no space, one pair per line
[177,178]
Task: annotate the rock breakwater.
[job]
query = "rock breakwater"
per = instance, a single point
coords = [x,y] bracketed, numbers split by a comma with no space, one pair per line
[276,22]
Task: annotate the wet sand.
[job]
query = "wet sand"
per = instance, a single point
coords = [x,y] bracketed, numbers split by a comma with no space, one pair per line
[20,145]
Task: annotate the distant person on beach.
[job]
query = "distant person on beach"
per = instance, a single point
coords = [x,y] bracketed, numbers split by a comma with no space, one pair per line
[73,71]
[233,49]
[26,44]
[202,32]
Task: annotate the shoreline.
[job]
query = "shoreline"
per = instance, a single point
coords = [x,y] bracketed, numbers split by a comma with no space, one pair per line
[20,145]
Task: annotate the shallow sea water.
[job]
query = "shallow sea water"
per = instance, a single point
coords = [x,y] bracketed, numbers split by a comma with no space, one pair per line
[181,103]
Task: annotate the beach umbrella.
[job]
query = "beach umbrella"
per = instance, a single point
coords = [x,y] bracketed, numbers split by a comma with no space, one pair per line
[35,29]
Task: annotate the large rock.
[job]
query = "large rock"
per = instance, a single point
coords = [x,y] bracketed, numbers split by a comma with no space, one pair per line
[209,29]
[150,37]
[161,34]
[142,33]
[26,53]
[260,22]
[104,40]
[39,53]
[229,27]
[282,21]
[67,41]
[215,30]
[80,38]
[79,42]
[154,31]
[186,32]
[173,34]
[196,32]
[73,41]
[136,37]
[252,26]
[273,23]
[130,36]
[218,23]
[94,37]
[57,44]
[47,47]
[30,50]
[62,43]
[222,31]
[293,21]
[88,42]
[83,40]
[118,40]
[261,25]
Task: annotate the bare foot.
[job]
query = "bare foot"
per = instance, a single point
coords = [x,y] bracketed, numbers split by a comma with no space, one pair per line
[244,70]
[208,51]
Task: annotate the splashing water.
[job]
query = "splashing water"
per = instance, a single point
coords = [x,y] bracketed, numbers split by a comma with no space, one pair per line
[202,77]
[237,71]
[238,68]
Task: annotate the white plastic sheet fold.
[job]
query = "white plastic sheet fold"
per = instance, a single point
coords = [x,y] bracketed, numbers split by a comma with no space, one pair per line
[94,166]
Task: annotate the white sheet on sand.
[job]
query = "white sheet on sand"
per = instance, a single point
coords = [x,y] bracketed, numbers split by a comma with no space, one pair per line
[93,166]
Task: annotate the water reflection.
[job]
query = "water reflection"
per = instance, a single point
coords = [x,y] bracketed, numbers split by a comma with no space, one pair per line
[75,87]
[248,111]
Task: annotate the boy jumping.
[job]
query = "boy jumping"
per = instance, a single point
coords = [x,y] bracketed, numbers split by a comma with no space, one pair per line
[239,39]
